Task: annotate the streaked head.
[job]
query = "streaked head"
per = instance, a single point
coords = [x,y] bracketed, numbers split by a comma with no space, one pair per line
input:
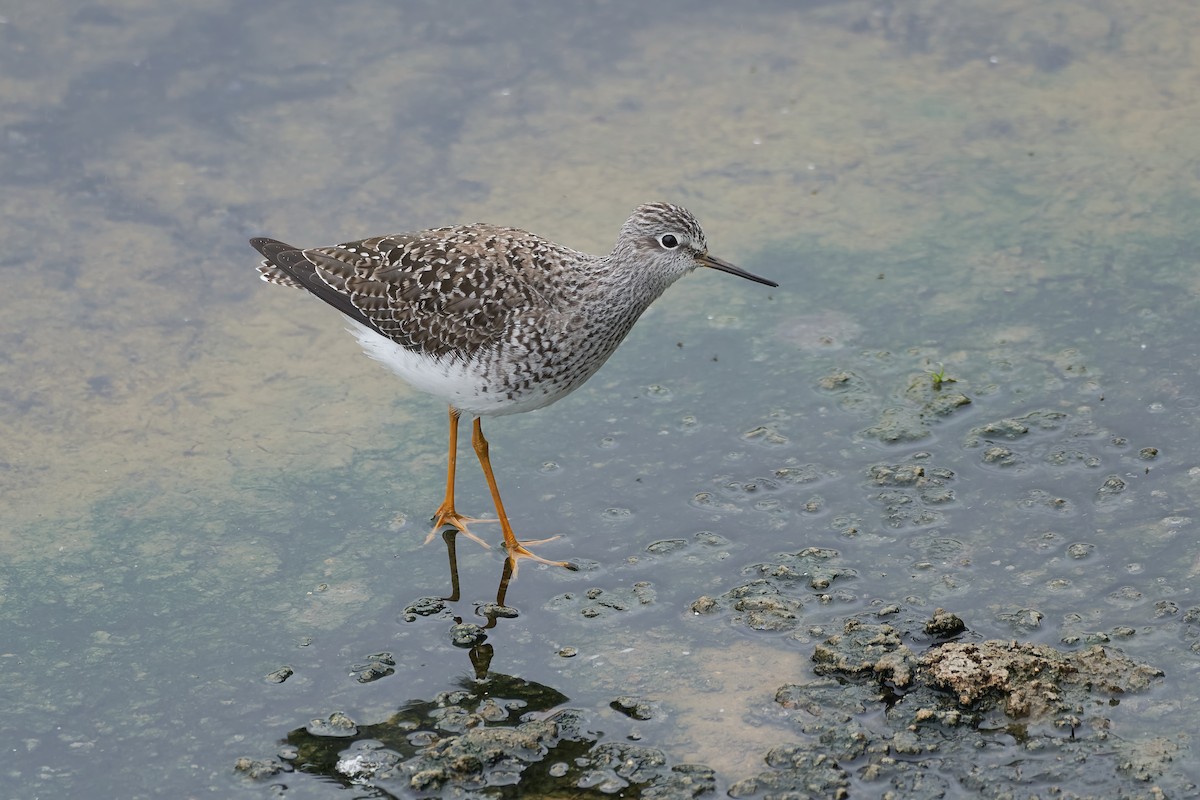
[668,237]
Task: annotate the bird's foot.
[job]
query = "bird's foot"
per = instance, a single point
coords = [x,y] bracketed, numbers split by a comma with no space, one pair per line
[446,515]
[517,550]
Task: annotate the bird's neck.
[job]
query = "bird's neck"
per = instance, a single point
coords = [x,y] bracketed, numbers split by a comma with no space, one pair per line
[629,281]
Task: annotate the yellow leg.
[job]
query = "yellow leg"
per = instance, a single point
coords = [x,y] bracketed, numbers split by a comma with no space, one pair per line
[446,513]
[515,548]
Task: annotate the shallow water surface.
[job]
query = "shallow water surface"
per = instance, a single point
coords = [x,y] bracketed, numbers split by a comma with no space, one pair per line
[974,390]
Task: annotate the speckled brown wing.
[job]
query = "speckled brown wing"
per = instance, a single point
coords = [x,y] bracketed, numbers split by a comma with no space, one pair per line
[435,292]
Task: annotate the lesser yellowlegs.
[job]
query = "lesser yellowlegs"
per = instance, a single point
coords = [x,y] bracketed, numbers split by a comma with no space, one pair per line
[495,320]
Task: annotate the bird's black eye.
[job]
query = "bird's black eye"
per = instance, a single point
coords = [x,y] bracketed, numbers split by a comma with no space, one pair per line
[669,241]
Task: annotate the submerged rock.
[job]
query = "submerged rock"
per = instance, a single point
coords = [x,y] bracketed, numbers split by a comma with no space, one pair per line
[774,601]
[866,649]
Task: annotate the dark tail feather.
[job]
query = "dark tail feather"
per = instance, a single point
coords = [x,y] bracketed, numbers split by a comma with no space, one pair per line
[270,248]
[289,266]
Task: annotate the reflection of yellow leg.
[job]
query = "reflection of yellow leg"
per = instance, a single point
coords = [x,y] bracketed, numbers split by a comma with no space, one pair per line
[515,548]
[446,514]
[452,554]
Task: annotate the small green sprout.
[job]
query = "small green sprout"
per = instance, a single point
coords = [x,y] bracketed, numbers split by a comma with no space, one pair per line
[939,376]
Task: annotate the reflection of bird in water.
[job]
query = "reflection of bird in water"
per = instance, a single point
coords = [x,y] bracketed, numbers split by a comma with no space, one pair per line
[470,634]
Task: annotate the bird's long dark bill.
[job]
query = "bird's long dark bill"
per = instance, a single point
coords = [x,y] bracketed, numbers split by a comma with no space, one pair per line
[717,263]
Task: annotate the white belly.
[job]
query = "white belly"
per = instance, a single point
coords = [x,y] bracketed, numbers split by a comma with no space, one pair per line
[453,379]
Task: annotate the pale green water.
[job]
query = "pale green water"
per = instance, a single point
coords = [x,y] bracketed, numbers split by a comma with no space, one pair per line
[202,477]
